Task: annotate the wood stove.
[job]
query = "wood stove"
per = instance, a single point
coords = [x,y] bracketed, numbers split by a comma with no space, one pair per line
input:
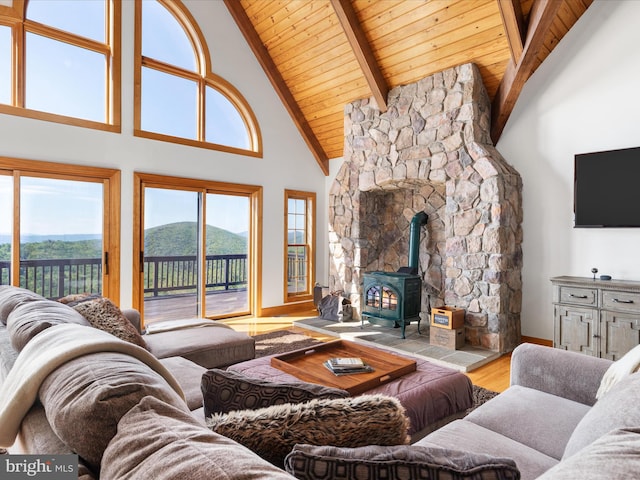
[394,299]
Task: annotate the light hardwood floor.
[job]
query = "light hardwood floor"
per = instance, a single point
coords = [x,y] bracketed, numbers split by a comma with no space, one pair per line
[493,376]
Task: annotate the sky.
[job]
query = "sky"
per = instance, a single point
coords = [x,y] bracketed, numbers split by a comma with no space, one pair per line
[46,203]
[168,206]
[59,81]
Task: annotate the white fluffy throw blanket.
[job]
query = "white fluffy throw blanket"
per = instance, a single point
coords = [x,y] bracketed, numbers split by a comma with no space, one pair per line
[43,354]
[619,369]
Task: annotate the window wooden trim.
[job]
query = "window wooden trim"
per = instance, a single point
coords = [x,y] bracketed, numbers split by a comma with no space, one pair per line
[15,18]
[16,10]
[310,198]
[254,192]
[202,75]
[110,178]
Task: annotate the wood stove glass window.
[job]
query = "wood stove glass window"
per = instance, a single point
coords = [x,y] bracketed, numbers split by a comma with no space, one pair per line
[381,297]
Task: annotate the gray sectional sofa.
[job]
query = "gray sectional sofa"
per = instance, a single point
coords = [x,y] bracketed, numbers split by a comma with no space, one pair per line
[185,348]
[550,423]
[126,413]
[129,415]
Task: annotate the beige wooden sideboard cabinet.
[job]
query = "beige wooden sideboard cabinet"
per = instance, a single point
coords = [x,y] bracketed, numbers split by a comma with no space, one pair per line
[596,317]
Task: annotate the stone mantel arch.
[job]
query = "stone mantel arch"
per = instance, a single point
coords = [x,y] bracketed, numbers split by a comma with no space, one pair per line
[431,151]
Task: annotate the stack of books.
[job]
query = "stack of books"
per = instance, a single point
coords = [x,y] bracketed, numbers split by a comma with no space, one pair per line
[347,365]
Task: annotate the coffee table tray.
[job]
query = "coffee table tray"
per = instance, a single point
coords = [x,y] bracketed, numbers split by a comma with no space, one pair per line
[307,364]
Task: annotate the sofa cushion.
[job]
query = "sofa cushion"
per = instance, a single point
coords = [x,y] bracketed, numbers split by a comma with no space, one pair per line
[85,398]
[102,313]
[617,409]
[188,375]
[227,390]
[344,422]
[158,441]
[537,419]
[11,297]
[36,435]
[614,455]
[307,462]
[212,345]
[30,318]
[469,437]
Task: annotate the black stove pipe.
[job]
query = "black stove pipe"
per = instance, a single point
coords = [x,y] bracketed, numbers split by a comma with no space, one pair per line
[418,220]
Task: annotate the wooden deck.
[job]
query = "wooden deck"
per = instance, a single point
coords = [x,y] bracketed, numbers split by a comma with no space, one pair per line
[219,304]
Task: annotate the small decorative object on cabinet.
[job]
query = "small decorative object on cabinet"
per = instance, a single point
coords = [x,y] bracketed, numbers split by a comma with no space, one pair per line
[596,317]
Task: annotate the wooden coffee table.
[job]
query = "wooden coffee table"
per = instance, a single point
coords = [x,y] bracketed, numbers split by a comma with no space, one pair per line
[308,364]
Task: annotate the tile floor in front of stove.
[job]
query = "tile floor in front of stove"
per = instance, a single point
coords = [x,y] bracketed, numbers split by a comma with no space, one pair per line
[465,359]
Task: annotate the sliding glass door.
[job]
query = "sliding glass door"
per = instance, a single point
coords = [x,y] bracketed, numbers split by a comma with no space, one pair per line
[196,249]
[6,227]
[59,228]
[227,254]
[171,248]
[60,236]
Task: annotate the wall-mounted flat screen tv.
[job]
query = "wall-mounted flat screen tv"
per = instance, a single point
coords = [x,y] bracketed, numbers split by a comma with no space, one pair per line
[607,189]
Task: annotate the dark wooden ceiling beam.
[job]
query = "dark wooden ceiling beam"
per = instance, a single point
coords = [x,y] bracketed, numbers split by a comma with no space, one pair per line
[362,50]
[541,16]
[278,83]
[513,21]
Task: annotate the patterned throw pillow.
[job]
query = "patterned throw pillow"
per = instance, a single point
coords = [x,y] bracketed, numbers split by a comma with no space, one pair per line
[307,462]
[272,432]
[226,390]
[105,315]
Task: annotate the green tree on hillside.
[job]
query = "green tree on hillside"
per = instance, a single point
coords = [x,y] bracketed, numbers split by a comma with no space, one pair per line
[54,249]
[182,239]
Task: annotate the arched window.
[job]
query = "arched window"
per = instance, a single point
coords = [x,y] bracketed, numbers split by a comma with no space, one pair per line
[61,67]
[177,96]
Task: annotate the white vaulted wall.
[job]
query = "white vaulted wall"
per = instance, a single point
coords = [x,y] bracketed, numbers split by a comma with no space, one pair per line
[584,98]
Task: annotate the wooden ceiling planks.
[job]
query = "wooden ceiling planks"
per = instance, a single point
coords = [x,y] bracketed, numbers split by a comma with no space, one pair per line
[243,21]
[408,40]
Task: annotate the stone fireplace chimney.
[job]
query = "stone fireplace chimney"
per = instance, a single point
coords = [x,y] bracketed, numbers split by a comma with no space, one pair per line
[431,152]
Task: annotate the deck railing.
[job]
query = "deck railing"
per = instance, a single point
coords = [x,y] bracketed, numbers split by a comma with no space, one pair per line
[172,275]
[57,278]
[164,276]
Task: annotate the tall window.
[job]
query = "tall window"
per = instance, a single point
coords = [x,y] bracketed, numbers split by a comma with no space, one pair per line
[202,109]
[62,235]
[299,247]
[59,66]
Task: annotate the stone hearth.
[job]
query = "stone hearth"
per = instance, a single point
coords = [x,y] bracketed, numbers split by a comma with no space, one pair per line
[431,151]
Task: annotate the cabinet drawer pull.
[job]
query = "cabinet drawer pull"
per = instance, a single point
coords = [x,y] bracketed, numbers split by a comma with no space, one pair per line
[622,301]
[572,295]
